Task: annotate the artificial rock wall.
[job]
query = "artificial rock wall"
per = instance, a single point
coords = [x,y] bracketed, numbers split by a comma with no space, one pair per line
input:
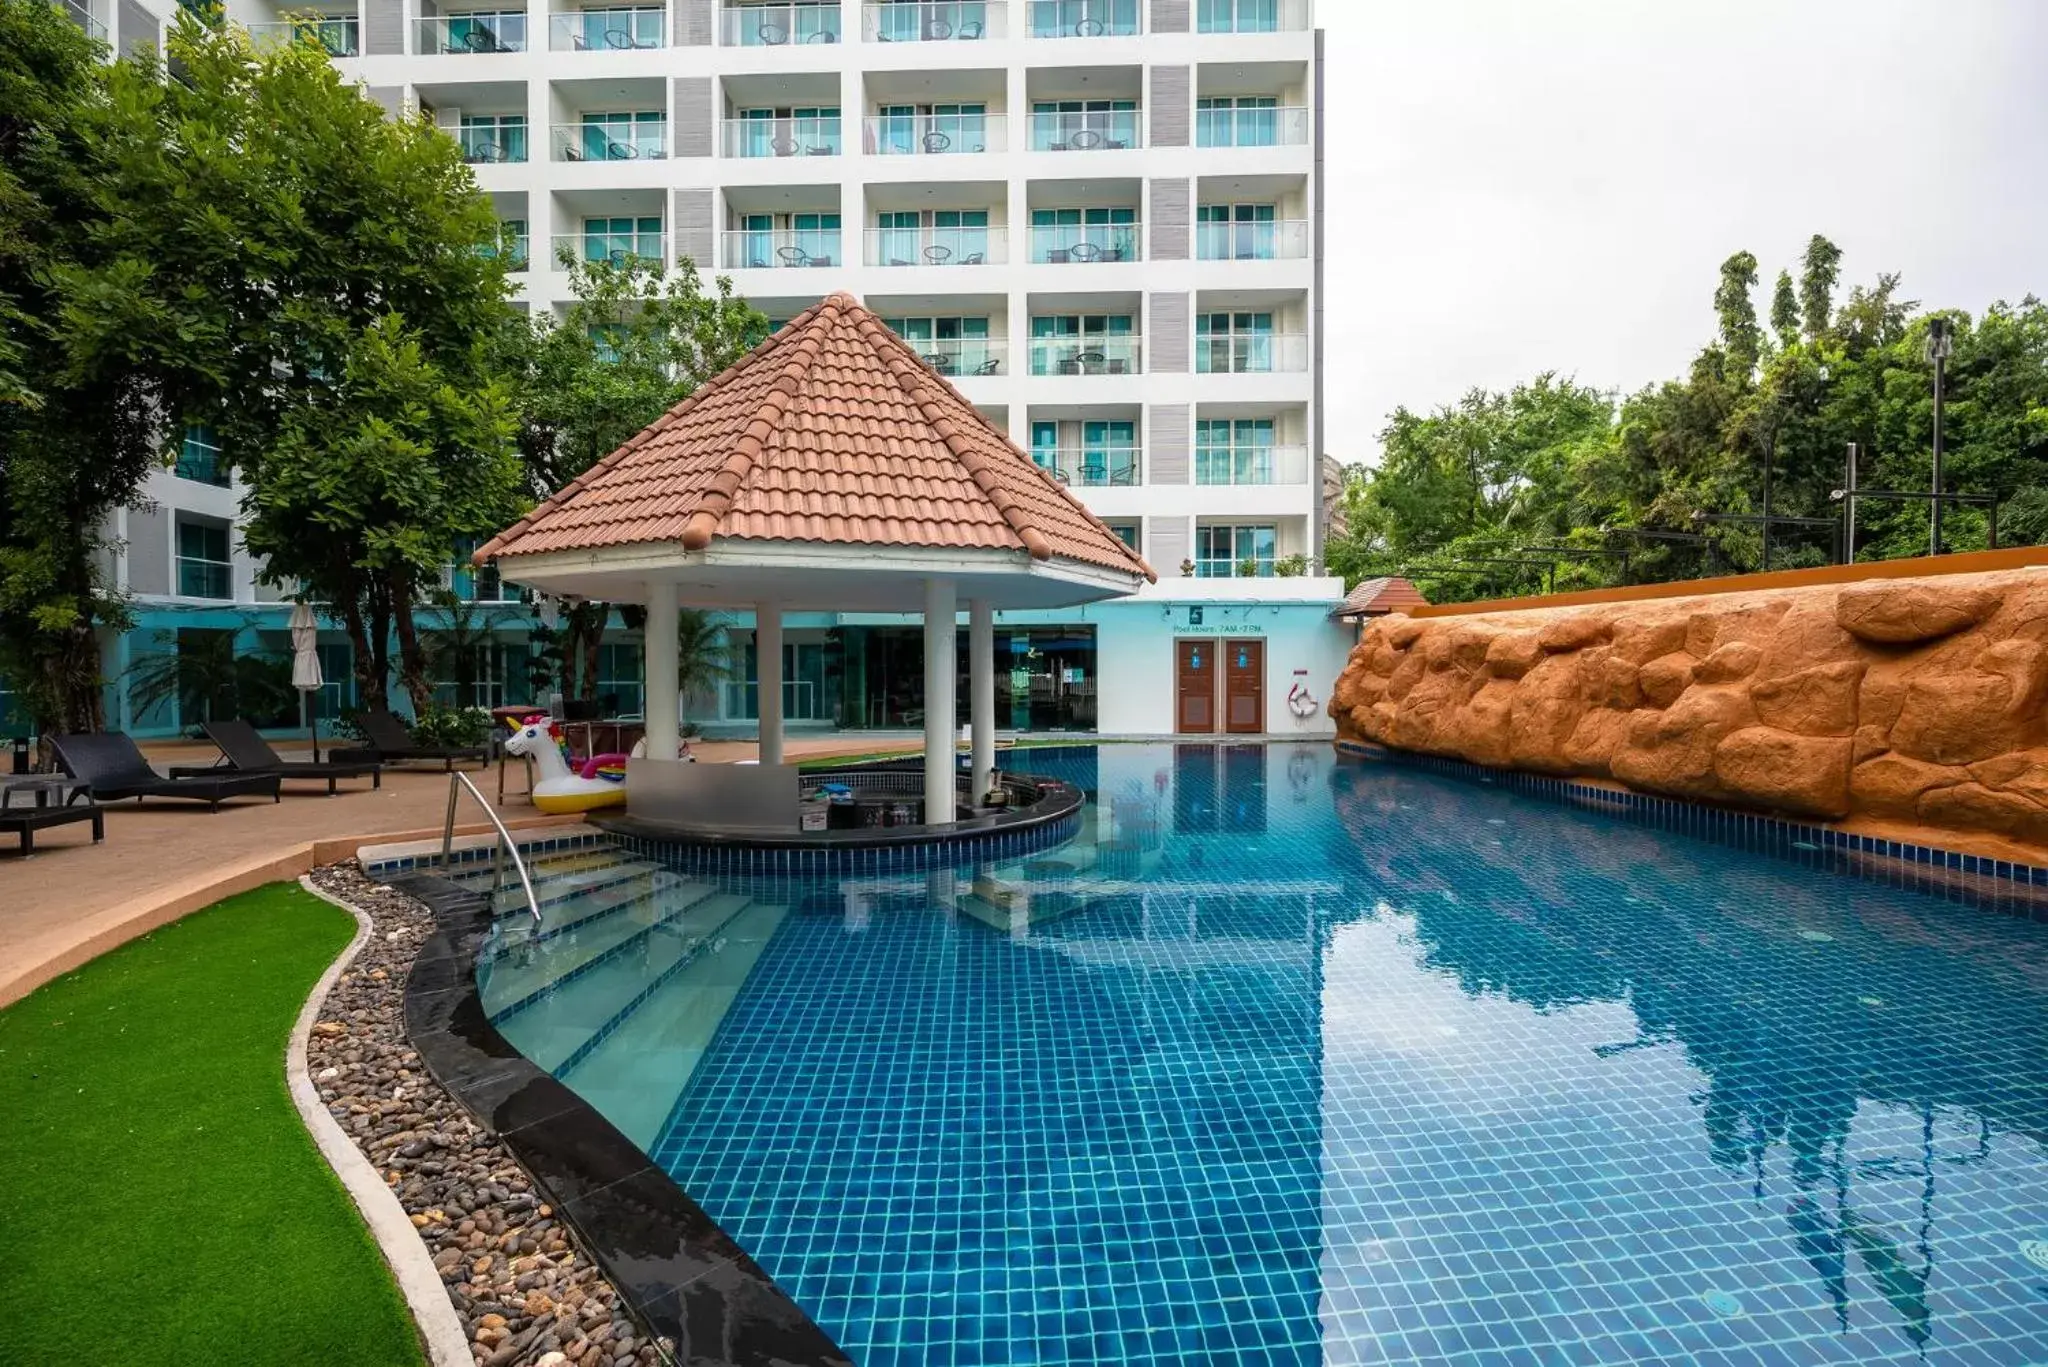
[1919,700]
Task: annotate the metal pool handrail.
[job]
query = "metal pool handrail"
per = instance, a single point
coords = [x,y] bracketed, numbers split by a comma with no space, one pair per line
[505,844]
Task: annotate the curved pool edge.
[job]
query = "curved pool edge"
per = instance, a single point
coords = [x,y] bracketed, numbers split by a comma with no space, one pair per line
[678,1273]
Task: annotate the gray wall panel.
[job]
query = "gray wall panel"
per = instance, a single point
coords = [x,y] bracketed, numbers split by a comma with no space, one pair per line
[695,128]
[149,550]
[693,20]
[1172,108]
[693,229]
[1166,445]
[1167,542]
[1167,341]
[383,28]
[1170,212]
[138,28]
[1169,16]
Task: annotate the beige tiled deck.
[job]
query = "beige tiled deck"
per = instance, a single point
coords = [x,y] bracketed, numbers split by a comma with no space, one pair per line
[164,859]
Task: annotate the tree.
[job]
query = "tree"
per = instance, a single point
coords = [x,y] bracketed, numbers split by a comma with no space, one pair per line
[1741,339]
[1819,269]
[1785,311]
[640,338]
[458,648]
[705,657]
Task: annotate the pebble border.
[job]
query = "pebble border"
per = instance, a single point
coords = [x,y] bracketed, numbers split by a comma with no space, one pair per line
[521,1290]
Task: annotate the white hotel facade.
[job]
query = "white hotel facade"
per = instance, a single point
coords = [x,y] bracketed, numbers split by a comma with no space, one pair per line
[1100,219]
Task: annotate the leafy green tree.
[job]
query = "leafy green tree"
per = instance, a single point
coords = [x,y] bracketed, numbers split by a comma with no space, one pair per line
[639,339]
[1819,269]
[1741,338]
[1785,311]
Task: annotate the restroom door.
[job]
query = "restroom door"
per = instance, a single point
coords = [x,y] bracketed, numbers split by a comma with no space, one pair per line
[1244,687]
[1195,686]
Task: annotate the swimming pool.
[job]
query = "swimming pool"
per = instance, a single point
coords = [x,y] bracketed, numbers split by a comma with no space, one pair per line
[1289,1060]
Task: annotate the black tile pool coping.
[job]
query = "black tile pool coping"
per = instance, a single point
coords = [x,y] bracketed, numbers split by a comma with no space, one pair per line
[1975,880]
[679,1274]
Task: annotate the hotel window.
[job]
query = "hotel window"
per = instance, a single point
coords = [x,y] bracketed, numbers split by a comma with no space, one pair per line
[1083,125]
[1059,236]
[932,237]
[930,21]
[493,137]
[1236,232]
[637,135]
[1231,551]
[1109,454]
[484,31]
[1084,18]
[1242,121]
[1126,532]
[776,24]
[204,569]
[1083,344]
[618,239]
[1045,444]
[789,131]
[337,692]
[1238,16]
[617,28]
[512,240]
[952,346]
[1233,343]
[903,129]
[618,677]
[1234,451]
[199,458]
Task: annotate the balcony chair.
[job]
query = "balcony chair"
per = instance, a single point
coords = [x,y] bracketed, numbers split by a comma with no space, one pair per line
[992,366]
[773,35]
[1084,140]
[244,751]
[937,30]
[112,767]
[940,362]
[481,40]
[971,30]
[974,259]
[793,256]
[785,147]
[937,254]
[936,142]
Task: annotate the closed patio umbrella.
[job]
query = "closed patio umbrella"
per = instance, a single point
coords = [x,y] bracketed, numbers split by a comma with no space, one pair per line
[306,666]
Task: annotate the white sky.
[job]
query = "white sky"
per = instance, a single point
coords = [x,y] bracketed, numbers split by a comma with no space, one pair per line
[1521,185]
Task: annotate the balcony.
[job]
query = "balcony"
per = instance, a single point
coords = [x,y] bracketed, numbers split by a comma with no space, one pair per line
[929,246]
[1098,467]
[805,137]
[1251,465]
[619,249]
[339,36]
[1093,130]
[1256,353]
[514,248]
[608,30]
[1253,126]
[199,461]
[472,33]
[614,140]
[750,249]
[82,16]
[962,357]
[1271,240]
[778,25]
[1084,18]
[1085,243]
[934,135]
[205,578]
[489,142]
[1099,355]
[934,21]
[1252,16]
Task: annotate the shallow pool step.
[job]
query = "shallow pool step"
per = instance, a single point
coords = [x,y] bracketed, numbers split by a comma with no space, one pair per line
[640,1063]
[553,891]
[545,865]
[552,1024]
[612,921]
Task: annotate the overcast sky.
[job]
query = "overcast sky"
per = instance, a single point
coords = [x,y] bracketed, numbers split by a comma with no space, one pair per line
[1521,185]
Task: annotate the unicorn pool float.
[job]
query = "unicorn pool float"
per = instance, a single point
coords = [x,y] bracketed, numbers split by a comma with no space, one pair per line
[599,782]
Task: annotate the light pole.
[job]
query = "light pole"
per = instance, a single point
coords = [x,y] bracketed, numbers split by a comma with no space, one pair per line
[1941,344]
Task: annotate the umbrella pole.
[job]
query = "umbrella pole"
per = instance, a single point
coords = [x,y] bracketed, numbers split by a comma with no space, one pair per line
[312,722]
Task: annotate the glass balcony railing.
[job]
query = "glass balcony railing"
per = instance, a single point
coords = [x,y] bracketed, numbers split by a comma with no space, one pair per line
[934,21]
[613,140]
[1100,355]
[929,246]
[619,249]
[1251,353]
[1251,465]
[82,15]
[205,578]
[1084,18]
[1095,467]
[963,357]
[1253,126]
[514,249]
[1091,130]
[1250,567]
[1085,243]
[489,144]
[1271,240]
[781,249]
[806,137]
[626,29]
[1251,16]
[200,463]
[472,33]
[778,25]
[338,36]
[934,135]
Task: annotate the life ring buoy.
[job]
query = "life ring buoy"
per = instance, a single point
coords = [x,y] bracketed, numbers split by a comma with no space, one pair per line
[1301,702]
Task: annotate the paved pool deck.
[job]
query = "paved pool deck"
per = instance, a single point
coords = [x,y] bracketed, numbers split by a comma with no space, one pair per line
[164,859]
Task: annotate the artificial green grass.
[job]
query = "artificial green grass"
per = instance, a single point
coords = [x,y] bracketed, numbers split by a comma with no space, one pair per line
[161,1202]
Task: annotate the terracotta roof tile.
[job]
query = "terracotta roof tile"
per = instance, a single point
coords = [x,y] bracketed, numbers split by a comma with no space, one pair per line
[832,431]
[1377,597]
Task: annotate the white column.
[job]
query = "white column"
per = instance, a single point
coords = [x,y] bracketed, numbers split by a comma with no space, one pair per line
[664,711]
[939,607]
[768,667]
[981,691]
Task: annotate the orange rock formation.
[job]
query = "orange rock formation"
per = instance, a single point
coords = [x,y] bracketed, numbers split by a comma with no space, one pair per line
[1922,700]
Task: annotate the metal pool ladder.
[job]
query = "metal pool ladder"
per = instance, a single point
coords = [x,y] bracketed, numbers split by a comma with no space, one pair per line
[506,845]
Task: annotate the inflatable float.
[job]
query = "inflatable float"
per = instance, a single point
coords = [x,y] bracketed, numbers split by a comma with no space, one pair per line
[599,782]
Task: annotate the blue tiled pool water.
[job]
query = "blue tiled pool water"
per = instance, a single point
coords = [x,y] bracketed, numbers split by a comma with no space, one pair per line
[1290,1060]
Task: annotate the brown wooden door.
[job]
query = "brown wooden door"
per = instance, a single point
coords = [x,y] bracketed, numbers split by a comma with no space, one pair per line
[1195,687]
[1244,687]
